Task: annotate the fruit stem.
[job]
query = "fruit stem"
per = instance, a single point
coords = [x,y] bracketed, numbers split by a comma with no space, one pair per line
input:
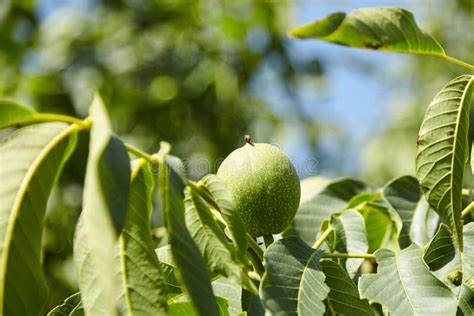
[268,239]
[248,139]
[467,210]
[323,237]
[348,255]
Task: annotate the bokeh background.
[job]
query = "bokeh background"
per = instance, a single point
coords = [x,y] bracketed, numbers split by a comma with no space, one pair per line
[201,74]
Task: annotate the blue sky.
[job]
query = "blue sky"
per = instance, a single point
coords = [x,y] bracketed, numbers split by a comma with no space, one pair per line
[357,85]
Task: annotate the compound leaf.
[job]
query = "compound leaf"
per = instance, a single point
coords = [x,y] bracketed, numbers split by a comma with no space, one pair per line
[31,160]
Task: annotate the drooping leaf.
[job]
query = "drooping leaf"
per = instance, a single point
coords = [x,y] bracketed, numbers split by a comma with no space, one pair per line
[403,195]
[187,308]
[293,282]
[232,218]
[343,297]
[442,256]
[12,113]
[315,209]
[383,28]
[424,223]
[404,285]
[31,160]
[217,251]
[443,151]
[105,199]
[191,269]
[72,306]
[351,237]
[143,282]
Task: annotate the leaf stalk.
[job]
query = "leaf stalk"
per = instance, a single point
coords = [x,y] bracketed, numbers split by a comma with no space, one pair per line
[322,238]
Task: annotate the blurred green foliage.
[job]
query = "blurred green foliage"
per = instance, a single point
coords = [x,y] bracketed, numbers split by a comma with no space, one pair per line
[179,71]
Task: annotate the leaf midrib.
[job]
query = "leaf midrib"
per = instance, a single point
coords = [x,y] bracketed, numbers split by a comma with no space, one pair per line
[20,197]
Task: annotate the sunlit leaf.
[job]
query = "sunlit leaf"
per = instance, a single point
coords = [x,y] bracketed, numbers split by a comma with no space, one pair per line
[31,159]
[231,291]
[105,205]
[351,237]
[318,207]
[143,282]
[12,113]
[424,223]
[187,308]
[442,256]
[232,218]
[191,269]
[443,151]
[217,251]
[402,195]
[378,224]
[293,282]
[404,285]
[72,306]
[383,28]
[343,297]
[167,266]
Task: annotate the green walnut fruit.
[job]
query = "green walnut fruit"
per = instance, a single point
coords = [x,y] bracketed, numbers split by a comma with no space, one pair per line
[264,186]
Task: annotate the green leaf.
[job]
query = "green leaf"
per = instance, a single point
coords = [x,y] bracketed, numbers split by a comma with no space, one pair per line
[232,218]
[404,285]
[378,224]
[12,113]
[468,231]
[343,297]
[443,151]
[72,306]
[402,195]
[31,160]
[210,238]
[144,285]
[293,282]
[231,291]
[167,266]
[383,28]
[424,223]
[106,190]
[191,269]
[318,207]
[351,237]
[187,308]
[466,298]
[442,256]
